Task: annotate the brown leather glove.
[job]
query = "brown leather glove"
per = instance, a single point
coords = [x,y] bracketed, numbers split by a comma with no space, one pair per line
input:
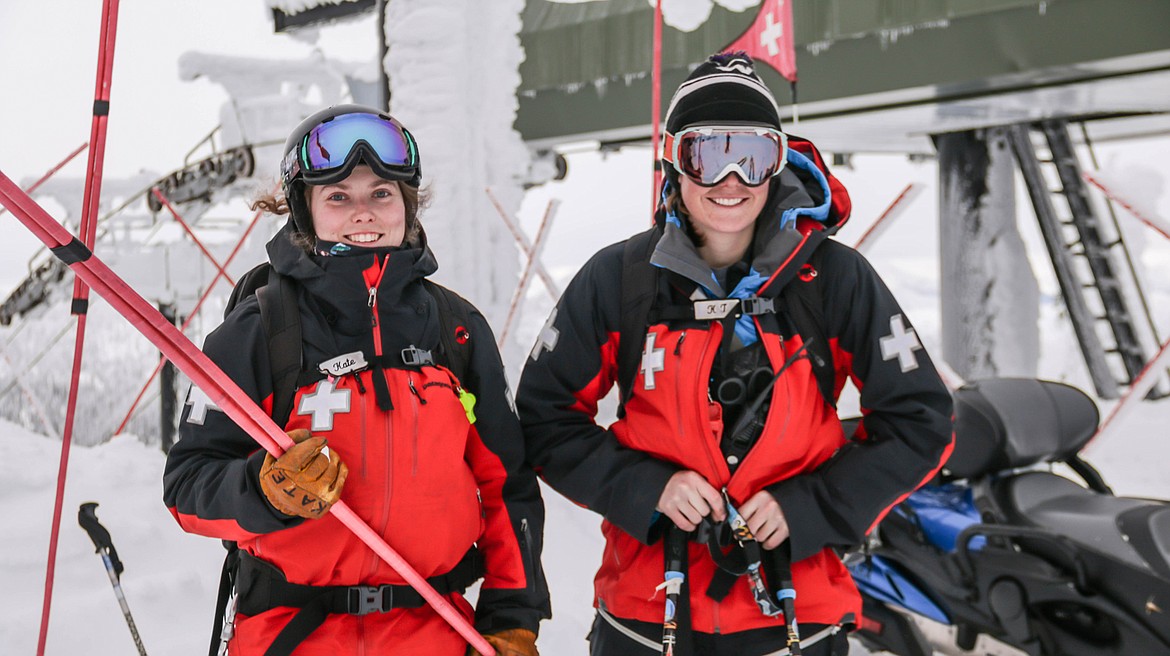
[511,642]
[303,482]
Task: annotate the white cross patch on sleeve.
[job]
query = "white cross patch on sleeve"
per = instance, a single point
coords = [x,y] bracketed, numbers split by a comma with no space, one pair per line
[200,403]
[901,343]
[322,403]
[548,337]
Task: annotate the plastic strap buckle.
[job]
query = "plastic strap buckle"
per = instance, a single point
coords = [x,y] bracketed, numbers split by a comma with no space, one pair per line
[416,357]
[366,599]
[756,305]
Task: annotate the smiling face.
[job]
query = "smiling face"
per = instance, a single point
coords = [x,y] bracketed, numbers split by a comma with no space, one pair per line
[361,210]
[726,213]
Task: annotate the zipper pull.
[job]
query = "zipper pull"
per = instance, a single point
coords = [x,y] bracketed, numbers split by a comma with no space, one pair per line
[413,390]
[373,311]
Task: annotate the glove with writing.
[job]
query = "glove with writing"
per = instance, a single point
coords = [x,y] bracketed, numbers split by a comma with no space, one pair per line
[305,480]
[511,642]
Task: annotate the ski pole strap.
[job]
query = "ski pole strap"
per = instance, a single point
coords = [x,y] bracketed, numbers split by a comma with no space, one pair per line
[262,587]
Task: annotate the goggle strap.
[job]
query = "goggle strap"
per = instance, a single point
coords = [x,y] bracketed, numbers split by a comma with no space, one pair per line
[668,142]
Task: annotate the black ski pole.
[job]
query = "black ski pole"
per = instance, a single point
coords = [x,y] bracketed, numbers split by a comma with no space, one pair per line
[87,517]
[675,545]
[782,567]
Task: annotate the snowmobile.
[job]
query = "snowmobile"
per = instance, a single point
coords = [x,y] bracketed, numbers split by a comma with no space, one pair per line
[1001,545]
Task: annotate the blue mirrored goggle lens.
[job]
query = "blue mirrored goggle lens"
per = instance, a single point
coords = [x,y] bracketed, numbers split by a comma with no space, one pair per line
[708,156]
[330,144]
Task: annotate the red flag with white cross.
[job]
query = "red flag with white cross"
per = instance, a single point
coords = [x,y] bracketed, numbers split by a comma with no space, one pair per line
[770,38]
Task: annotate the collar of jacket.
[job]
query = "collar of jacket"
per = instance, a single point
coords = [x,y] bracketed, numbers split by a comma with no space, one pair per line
[337,282]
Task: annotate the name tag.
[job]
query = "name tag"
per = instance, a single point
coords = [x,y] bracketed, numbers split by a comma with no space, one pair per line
[343,364]
[717,309]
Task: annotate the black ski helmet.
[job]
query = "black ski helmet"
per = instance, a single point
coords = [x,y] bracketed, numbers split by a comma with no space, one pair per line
[293,174]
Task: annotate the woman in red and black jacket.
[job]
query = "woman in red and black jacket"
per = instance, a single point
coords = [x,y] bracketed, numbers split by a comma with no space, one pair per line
[428,453]
[724,411]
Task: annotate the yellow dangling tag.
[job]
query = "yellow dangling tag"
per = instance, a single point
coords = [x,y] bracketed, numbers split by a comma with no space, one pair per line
[468,401]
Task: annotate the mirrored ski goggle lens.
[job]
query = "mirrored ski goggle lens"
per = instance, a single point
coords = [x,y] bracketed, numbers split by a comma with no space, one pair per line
[708,156]
[329,145]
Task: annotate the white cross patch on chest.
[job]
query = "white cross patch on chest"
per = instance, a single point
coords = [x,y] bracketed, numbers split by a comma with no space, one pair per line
[548,337]
[322,403]
[653,359]
[200,403]
[901,343]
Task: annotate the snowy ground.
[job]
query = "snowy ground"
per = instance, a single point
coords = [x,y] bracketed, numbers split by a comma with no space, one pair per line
[171,577]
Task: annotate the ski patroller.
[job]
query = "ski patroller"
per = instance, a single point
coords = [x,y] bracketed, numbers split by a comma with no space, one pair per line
[222,390]
[87,517]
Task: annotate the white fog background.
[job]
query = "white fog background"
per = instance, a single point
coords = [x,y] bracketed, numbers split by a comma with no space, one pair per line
[47,71]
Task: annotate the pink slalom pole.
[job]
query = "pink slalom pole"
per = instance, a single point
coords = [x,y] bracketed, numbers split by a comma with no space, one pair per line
[51,172]
[1161,226]
[524,244]
[656,106]
[1141,385]
[896,207]
[190,317]
[190,233]
[526,275]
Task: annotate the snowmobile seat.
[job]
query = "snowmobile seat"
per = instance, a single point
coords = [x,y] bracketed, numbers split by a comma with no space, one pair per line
[1136,531]
[1005,423]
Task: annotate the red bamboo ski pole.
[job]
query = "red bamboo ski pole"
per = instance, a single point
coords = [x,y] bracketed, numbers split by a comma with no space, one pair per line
[204,373]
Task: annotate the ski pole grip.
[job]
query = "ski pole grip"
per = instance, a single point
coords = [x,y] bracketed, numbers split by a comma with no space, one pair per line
[87,517]
[676,548]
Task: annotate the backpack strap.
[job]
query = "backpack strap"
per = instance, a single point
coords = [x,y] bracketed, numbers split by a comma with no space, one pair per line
[281,317]
[639,285]
[254,279]
[454,316]
[803,301]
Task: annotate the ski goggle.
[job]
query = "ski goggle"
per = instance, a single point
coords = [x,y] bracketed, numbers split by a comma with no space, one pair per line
[328,152]
[708,154]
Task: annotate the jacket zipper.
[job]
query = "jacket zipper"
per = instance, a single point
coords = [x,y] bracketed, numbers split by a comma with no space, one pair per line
[365,409]
[530,569]
[704,401]
[414,403]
